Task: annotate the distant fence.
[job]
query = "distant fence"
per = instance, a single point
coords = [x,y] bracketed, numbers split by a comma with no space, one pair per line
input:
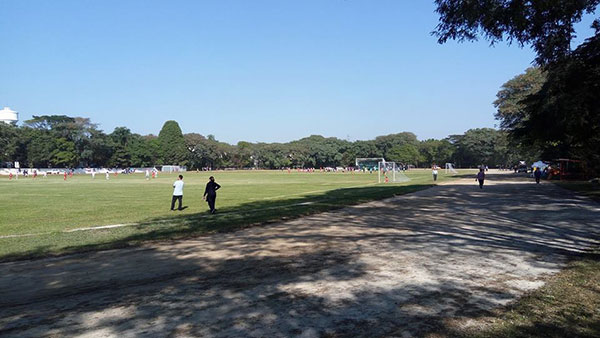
[61,171]
[173,169]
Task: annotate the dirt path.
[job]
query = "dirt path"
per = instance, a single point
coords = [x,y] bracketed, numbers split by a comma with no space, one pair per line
[401,267]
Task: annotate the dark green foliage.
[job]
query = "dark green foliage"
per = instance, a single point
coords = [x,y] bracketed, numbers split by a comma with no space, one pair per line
[317,151]
[8,142]
[99,149]
[554,113]
[564,116]
[436,152]
[547,25]
[48,122]
[405,154]
[40,145]
[173,150]
[481,146]
[63,154]
[401,146]
[206,152]
[360,149]
[512,113]
[120,138]
[143,150]
[77,142]
[510,99]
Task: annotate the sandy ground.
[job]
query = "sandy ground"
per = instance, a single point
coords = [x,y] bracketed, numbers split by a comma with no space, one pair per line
[404,267]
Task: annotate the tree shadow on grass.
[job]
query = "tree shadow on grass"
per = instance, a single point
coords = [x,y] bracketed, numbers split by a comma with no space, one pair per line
[187,225]
[330,274]
[511,215]
[264,212]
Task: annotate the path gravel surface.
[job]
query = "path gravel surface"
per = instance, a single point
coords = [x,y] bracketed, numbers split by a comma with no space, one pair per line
[402,267]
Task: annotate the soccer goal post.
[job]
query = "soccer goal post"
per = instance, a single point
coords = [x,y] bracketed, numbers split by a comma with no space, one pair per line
[388,172]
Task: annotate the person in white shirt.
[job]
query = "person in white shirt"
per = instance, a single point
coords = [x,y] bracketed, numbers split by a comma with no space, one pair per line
[147,174]
[177,193]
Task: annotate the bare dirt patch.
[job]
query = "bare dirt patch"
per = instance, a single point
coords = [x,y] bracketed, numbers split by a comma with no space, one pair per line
[407,267]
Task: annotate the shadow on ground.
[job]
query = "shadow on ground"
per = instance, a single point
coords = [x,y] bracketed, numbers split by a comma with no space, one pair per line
[402,267]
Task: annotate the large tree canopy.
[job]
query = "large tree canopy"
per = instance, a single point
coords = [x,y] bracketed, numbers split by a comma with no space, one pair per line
[48,122]
[511,99]
[172,144]
[479,146]
[8,141]
[547,25]
[555,112]
[75,142]
[564,115]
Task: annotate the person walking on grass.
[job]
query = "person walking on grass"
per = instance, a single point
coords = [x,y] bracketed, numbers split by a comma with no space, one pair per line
[480,177]
[177,193]
[210,194]
[434,172]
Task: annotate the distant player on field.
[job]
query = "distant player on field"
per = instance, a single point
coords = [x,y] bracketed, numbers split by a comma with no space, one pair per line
[177,193]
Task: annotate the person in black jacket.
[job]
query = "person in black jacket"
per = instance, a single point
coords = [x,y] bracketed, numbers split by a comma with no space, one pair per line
[210,194]
[537,174]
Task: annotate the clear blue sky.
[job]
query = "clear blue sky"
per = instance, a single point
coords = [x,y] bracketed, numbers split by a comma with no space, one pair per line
[269,71]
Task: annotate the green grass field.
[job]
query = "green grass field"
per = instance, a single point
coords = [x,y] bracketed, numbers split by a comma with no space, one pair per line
[39,215]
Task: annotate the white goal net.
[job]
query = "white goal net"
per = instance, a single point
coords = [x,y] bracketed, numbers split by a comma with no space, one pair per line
[388,172]
[450,169]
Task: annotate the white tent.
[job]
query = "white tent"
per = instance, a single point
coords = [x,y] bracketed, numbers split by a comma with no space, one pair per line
[539,164]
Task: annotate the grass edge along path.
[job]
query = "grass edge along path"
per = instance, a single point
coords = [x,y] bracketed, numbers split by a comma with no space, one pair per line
[567,305]
[188,226]
[584,188]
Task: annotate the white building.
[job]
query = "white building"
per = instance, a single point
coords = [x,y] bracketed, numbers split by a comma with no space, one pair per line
[9,116]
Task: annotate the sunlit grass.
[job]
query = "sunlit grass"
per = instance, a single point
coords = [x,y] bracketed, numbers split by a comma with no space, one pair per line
[43,209]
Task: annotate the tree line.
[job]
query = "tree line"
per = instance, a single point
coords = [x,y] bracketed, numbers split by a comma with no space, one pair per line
[553,109]
[63,141]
